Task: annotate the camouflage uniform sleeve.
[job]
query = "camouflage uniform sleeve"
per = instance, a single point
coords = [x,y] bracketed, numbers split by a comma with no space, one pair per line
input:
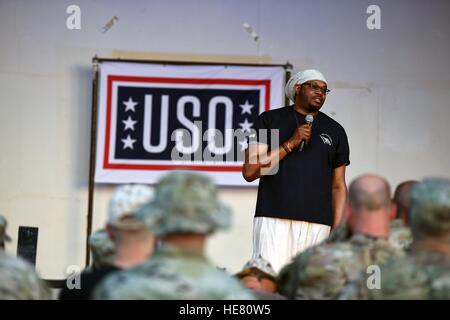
[339,233]
[108,288]
[132,285]
[19,280]
[224,287]
[129,286]
[437,267]
[440,287]
[400,237]
[166,285]
[318,273]
[289,277]
[352,291]
[400,279]
[372,254]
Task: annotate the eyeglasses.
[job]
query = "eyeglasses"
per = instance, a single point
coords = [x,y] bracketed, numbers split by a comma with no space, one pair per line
[315,87]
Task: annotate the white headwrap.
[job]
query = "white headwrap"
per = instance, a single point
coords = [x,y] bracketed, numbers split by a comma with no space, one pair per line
[300,78]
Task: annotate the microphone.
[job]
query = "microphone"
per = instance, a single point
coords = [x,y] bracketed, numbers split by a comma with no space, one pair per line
[309,120]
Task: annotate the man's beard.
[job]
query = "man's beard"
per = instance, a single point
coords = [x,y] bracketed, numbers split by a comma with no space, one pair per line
[313,106]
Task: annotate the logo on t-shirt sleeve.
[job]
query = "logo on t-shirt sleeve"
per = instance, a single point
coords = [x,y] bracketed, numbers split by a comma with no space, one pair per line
[326,139]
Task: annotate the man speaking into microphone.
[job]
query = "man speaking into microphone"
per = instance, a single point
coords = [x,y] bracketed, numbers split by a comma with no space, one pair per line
[302,189]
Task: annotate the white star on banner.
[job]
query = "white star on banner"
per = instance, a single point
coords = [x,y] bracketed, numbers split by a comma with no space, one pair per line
[129,123]
[246,107]
[128,142]
[243,144]
[130,104]
[246,125]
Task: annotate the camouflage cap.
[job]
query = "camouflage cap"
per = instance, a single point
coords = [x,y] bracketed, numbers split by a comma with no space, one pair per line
[430,209]
[102,248]
[185,202]
[261,264]
[125,202]
[3,235]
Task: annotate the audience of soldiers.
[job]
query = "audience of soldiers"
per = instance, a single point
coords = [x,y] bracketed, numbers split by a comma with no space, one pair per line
[321,272]
[385,248]
[184,213]
[124,243]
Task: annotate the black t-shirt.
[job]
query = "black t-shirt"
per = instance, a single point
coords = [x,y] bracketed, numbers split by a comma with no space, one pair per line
[301,188]
[89,279]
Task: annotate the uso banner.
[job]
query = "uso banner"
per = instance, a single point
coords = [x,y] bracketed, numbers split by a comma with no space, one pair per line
[158,117]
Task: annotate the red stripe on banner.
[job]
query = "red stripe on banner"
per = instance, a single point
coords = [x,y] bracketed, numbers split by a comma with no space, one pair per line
[171,166]
[267,85]
[189,80]
[108,123]
[111,78]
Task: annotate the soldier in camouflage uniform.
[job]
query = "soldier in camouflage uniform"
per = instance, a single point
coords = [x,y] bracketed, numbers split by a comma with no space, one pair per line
[18,280]
[259,276]
[424,273]
[400,235]
[321,272]
[102,248]
[124,243]
[3,235]
[402,199]
[184,212]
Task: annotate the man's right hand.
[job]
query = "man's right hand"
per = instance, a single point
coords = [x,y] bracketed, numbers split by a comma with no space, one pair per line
[302,132]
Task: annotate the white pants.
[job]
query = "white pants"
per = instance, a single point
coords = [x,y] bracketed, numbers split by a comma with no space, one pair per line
[279,240]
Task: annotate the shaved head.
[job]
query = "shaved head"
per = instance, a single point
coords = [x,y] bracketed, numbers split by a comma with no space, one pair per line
[369,192]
